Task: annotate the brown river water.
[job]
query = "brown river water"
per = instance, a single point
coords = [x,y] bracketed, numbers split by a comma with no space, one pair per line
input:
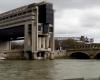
[59,69]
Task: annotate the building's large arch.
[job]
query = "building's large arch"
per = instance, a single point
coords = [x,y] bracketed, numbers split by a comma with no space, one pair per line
[79,55]
[97,56]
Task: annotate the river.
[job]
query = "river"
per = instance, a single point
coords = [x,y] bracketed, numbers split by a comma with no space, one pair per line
[60,69]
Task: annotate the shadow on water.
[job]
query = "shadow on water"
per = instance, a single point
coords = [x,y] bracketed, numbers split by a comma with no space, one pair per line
[83,79]
[61,69]
[75,79]
[26,70]
[93,79]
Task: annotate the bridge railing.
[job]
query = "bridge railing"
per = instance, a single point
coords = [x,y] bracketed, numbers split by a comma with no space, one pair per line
[86,46]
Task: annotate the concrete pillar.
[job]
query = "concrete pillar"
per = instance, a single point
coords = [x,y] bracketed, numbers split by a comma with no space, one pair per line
[39,42]
[52,56]
[47,42]
[35,32]
[52,42]
[92,57]
[43,42]
[35,55]
[27,39]
[34,38]
[27,42]
[45,55]
[9,43]
[26,55]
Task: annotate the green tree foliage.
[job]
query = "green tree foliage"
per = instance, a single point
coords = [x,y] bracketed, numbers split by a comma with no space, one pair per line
[70,43]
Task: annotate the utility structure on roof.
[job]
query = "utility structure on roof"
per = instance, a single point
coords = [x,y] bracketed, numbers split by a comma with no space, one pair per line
[34,23]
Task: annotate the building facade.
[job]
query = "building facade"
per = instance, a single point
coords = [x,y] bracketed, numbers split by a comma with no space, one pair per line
[34,23]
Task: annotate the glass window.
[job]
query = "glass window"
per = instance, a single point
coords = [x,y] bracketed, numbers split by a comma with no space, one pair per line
[30,28]
[39,28]
[50,29]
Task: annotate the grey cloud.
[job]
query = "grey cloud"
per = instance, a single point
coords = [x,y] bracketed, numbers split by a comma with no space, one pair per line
[6,5]
[75,3]
[87,21]
[58,4]
[90,21]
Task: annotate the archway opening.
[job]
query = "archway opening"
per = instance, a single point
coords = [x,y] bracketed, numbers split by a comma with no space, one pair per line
[41,54]
[97,56]
[79,55]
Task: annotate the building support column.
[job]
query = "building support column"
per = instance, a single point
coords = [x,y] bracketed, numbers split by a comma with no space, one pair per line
[52,46]
[27,42]
[35,55]
[51,56]
[45,55]
[35,35]
[39,42]
[9,45]
[47,42]
[52,42]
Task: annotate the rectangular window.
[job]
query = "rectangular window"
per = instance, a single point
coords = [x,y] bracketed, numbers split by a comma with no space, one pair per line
[39,28]
[50,29]
[30,28]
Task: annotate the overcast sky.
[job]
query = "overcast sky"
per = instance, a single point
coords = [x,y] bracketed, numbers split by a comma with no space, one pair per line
[72,17]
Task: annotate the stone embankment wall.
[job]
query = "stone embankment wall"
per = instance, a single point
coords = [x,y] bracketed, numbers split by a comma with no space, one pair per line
[60,54]
[17,54]
[11,55]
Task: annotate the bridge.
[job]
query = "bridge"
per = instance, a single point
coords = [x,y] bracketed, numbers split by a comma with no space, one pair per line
[33,24]
[89,51]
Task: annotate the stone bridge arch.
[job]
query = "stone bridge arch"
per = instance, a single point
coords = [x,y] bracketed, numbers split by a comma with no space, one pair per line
[97,56]
[90,53]
[79,55]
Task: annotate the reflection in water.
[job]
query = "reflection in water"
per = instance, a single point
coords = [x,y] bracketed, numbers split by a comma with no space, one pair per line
[49,70]
[26,70]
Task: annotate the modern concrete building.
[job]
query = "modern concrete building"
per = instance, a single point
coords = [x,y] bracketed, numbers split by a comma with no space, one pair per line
[34,24]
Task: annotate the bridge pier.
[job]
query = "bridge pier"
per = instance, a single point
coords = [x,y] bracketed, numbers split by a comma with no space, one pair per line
[34,55]
[91,57]
[39,55]
[43,55]
[51,57]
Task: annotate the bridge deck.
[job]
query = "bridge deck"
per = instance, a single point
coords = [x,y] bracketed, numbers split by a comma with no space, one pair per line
[12,32]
